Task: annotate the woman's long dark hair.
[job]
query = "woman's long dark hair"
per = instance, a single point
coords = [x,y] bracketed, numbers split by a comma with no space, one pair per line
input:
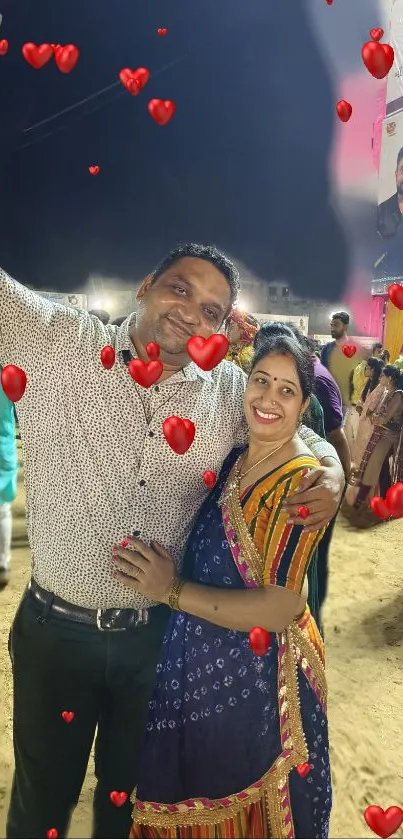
[395,374]
[376,366]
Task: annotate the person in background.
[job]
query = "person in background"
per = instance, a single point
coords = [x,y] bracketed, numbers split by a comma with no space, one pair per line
[373,371]
[371,475]
[386,356]
[390,211]
[103,316]
[358,380]
[8,482]
[399,362]
[241,331]
[333,357]
[377,350]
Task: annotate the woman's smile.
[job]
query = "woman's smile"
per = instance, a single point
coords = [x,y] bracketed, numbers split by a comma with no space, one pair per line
[265,417]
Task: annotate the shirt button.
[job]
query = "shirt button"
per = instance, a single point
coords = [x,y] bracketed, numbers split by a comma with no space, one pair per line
[142,483]
[136,533]
[157,390]
[151,434]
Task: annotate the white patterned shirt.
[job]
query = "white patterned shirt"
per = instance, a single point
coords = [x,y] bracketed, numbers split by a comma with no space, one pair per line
[97,466]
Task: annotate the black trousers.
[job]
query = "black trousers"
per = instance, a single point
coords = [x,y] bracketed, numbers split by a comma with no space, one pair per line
[106,679]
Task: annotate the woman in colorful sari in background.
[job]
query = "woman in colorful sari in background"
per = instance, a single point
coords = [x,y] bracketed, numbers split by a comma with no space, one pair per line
[236,743]
[242,329]
[379,438]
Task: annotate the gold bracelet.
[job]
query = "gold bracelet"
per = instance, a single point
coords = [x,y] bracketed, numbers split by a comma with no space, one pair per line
[174,592]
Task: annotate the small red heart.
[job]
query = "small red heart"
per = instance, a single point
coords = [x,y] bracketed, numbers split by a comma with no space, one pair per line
[94,170]
[161,110]
[124,543]
[108,357]
[52,833]
[259,640]
[378,58]
[395,294]
[379,507]
[209,478]
[329,2]
[68,716]
[207,352]
[13,382]
[3,47]
[118,798]
[349,350]
[37,57]
[303,769]
[134,80]
[145,373]
[394,500]
[344,110]
[163,31]
[383,822]
[66,57]
[152,350]
[179,433]
[303,512]
[376,34]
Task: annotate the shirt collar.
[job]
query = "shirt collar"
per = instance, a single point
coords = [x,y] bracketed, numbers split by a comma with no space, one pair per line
[123,342]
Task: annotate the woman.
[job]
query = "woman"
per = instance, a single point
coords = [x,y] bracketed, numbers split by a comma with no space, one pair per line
[373,372]
[237,744]
[242,329]
[371,473]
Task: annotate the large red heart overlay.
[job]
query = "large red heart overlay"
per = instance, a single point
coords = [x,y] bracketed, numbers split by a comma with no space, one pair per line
[179,433]
[208,352]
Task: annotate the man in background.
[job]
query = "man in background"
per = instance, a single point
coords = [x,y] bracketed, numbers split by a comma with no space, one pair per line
[333,357]
[8,483]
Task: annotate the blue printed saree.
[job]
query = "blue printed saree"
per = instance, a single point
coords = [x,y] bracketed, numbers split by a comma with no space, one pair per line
[236,744]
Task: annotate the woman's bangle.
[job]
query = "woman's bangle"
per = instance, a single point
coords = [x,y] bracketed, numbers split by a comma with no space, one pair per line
[174,592]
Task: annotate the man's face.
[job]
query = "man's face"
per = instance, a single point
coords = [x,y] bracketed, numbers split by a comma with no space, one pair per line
[399,178]
[337,328]
[377,352]
[191,298]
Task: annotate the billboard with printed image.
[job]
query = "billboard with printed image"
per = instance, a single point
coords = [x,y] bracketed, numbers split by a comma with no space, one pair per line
[394,90]
[390,200]
[72,301]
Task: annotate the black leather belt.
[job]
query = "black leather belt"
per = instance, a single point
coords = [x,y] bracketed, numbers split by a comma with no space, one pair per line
[106,620]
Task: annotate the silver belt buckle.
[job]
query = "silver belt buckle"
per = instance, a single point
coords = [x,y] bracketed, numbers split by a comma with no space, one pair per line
[142,617]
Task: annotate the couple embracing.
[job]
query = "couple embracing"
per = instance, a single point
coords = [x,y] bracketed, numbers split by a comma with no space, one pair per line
[145,585]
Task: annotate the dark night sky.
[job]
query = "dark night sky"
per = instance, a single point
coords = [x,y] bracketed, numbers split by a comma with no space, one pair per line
[242,164]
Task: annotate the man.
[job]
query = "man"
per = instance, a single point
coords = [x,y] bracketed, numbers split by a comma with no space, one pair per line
[377,350]
[97,469]
[332,356]
[390,211]
[8,483]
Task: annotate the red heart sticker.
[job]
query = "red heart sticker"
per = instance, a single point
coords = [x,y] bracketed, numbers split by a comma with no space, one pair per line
[68,716]
[134,80]
[3,47]
[259,640]
[37,57]
[303,512]
[108,357]
[152,350]
[349,350]
[207,352]
[118,798]
[383,822]
[52,833]
[94,170]
[66,57]
[395,294]
[161,110]
[209,478]
[145,373]
[179,433]
[344,110]
[376,34]
[394,500]
[303,769]
[378,58]
[379,507]
[162,31]
[13,382]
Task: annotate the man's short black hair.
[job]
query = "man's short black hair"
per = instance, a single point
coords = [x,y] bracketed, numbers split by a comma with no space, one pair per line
[343,316]
[208,252]
[399,157]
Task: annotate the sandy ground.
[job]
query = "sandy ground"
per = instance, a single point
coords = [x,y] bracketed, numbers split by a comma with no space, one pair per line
[364,648]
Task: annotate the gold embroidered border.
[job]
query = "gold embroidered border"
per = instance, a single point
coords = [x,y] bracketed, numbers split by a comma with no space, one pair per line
[246,543]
